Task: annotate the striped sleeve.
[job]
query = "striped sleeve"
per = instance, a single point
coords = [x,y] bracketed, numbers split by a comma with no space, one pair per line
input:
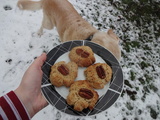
[11,108]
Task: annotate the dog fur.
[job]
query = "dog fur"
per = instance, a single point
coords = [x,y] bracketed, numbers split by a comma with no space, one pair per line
[70,25]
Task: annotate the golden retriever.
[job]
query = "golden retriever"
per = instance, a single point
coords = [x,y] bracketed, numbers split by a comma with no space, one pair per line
[70,25]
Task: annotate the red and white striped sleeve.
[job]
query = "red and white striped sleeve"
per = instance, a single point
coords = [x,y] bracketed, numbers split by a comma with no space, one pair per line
[11,108]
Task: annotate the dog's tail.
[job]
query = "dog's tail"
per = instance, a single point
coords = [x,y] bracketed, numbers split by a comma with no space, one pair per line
[29,5]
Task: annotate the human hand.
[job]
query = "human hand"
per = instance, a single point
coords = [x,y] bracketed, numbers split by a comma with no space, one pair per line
[29,90]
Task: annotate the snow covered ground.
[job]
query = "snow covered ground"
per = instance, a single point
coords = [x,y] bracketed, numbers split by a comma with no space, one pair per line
[19,45]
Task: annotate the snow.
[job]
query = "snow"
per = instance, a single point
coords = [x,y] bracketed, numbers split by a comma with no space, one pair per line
[19,45]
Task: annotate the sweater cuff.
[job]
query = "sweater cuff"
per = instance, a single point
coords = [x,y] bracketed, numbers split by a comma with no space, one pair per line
[12,107]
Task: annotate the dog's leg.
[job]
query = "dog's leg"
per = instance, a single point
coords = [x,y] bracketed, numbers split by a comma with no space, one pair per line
[40,31]
[47,23]
[29,5]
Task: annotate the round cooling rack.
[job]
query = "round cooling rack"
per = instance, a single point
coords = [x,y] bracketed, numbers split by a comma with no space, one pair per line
[105,101]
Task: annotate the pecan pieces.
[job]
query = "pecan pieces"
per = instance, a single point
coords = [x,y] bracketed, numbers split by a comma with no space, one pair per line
[85,93]
[100,71]
[82,53]
[63,70]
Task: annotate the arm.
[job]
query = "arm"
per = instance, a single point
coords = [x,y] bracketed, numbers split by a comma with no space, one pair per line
[29,90]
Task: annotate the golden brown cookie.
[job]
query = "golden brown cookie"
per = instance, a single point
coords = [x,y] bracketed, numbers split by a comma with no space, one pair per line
[98,75]
[82,96]
[82,55]
[63,73]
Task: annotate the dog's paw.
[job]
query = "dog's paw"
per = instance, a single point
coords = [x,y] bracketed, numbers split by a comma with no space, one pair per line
[40,32]
[35,34]
[19,5]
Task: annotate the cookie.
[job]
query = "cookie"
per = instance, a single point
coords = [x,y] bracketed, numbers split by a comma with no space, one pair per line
[82,55]
[63,74]
[98,75]
[82,96]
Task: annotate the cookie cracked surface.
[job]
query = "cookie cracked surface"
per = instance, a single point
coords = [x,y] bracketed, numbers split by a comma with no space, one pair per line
[82,96]
[63,74]
[98,75]
[82,55]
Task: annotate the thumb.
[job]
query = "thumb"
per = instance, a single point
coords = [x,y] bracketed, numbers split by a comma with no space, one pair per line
[40,60]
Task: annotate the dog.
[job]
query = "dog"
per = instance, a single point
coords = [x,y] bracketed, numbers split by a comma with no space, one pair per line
[70,25]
